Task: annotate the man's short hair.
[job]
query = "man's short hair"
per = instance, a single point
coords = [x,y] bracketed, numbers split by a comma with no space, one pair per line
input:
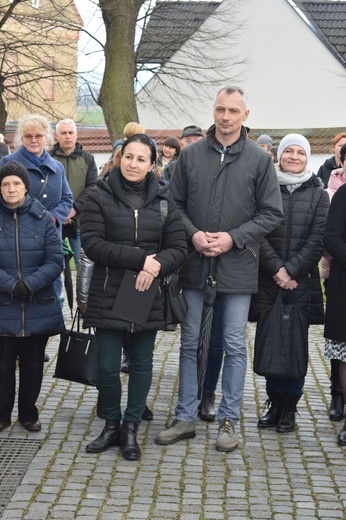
[67,121]
[230,89]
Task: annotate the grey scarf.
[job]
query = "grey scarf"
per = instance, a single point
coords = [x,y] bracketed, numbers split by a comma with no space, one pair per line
[293,180]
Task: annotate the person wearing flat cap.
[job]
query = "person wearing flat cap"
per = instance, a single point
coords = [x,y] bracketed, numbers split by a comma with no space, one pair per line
[190,134]
[31,260]
[288,260]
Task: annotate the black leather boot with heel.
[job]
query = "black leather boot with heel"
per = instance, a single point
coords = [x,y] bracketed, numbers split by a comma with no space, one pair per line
[130,448]
[271,418]
[286,422]
[336,408]
[110,436]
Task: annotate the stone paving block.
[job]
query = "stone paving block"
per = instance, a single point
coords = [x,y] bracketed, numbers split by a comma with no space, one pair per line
[272,476]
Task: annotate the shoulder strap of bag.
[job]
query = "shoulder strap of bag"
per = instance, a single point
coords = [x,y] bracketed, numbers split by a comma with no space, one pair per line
[164,213]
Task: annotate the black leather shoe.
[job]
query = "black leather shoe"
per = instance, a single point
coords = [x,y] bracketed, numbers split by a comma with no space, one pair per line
[206,408]
[110,436]
[336,409]
[32,426]
[342,436]
[130,448]
[4,424]
[147,414]
[271,418]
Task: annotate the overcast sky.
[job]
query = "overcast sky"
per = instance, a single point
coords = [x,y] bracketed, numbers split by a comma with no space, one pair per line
[90,55]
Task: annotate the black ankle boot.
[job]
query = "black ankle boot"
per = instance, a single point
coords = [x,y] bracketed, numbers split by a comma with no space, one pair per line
[110,436]
[206,408]
[287,419]
[271,418]
[336,408]
[130,448]
[342,436]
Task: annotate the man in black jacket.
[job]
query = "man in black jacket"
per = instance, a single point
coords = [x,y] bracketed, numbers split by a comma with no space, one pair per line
[227,190]
[81,172]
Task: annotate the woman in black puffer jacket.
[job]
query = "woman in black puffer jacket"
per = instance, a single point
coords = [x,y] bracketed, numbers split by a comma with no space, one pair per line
[121,228]
[289,258]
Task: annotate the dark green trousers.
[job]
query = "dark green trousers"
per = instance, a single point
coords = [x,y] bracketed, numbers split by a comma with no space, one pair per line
[109,347]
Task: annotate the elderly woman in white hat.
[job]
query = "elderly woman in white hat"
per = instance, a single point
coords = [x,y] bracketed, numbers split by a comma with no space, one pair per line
[289,258]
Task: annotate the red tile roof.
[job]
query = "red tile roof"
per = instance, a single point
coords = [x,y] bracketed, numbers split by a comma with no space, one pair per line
[97,140]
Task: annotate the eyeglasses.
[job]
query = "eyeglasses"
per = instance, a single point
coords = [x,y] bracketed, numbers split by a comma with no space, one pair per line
[37,137]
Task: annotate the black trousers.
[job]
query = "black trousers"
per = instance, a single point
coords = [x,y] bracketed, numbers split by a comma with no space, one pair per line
[30,354]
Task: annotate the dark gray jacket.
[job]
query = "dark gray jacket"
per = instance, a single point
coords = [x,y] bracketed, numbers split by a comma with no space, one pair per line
[236,192]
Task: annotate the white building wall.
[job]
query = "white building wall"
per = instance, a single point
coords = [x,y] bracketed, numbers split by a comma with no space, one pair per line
[291,78]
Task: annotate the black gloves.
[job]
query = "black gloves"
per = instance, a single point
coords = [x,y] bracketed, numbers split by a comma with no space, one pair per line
[21,290]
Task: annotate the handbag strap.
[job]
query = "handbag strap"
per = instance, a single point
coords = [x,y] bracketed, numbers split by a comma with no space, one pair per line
[164,213]
[77,318]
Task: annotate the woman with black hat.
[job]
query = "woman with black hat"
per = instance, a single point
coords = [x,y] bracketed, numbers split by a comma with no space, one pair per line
[31,260]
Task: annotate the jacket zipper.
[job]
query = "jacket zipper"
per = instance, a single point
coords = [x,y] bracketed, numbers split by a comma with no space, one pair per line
[252,251]
[288,226]
[19,270]
[135,213]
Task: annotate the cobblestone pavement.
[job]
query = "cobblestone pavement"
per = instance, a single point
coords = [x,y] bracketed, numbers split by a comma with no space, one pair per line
[300,475]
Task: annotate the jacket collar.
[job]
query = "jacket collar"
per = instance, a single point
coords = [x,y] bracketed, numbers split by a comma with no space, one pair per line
[232,149]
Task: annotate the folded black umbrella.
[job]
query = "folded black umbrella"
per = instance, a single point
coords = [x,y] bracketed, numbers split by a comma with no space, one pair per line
[68,283]
[205,330]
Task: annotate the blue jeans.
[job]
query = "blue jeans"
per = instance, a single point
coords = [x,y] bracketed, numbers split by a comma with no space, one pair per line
[75,245]
[234,318]
[215,351]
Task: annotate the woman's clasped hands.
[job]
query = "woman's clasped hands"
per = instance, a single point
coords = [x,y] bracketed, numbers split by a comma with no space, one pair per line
[151,270]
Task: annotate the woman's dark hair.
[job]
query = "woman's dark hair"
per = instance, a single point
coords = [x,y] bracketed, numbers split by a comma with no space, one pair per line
[144,139]
[173,143]
[343,154]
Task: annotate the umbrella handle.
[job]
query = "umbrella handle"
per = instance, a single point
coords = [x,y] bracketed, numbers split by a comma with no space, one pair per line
[212,267]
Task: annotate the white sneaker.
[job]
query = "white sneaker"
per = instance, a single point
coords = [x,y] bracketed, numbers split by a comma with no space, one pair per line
[177,431]
[227,439]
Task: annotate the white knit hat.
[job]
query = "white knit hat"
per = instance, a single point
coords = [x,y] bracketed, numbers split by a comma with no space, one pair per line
[294,139]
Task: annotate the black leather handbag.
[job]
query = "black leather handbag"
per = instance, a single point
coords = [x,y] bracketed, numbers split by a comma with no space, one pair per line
[77,356]
[175,302]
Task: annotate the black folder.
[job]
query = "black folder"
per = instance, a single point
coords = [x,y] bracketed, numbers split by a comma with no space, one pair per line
[132,305]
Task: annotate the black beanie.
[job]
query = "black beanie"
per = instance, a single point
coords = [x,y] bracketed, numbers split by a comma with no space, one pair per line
[15,168]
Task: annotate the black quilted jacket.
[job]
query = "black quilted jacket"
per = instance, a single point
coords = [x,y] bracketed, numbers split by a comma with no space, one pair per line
[297,244]
[116,237]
